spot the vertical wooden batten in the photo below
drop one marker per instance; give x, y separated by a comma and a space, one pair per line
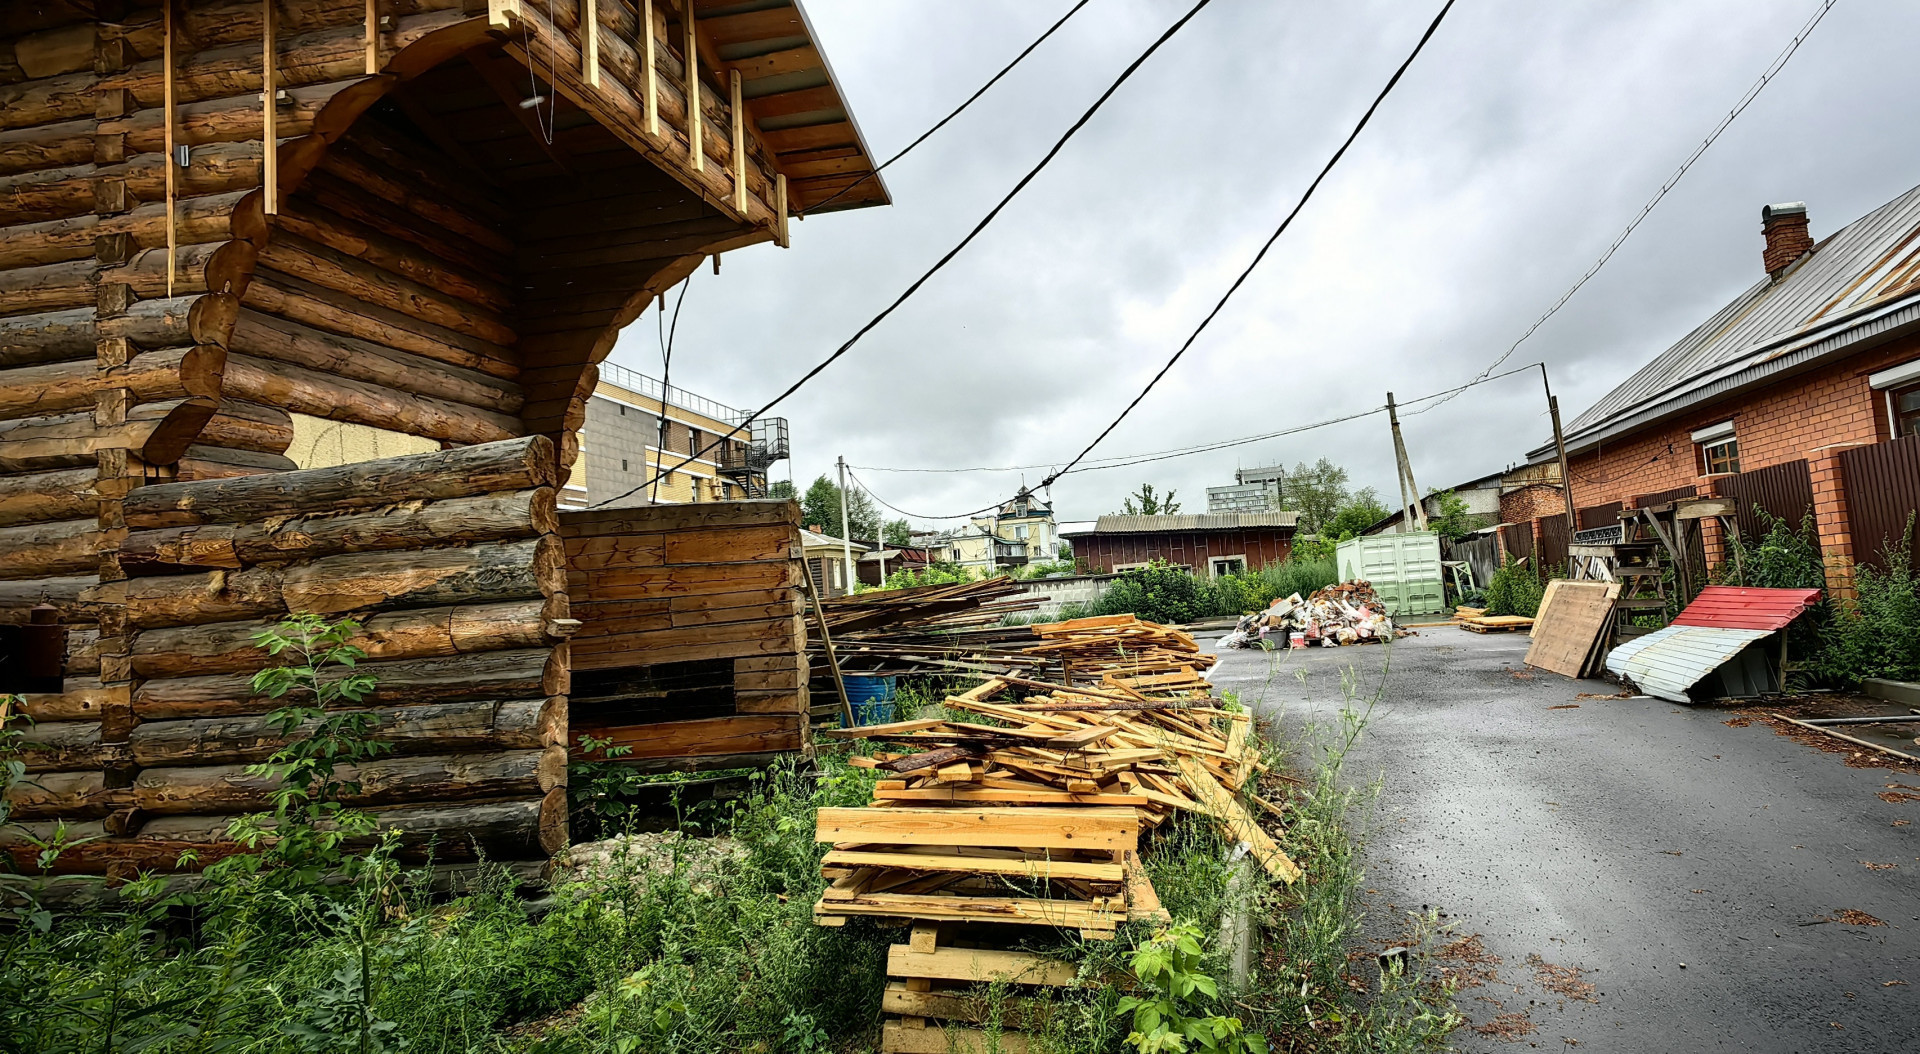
652, 85
739, 143
373, 37
780, 210
167, 138
690, 54
269, 112
589, 42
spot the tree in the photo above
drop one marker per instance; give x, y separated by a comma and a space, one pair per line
1454, 521
780, 488
1317, 494
1362, 510
821, 508
897, 533
1146, 503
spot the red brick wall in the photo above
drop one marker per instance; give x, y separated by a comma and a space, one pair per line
1785, 421
1260, 545
1528, 502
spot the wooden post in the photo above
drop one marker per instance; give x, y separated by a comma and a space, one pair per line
846, 529
1566, 476
1406, 507
373, 37
1416, 508
590, 42
691, 51
826, 641
739, 145
166, 120
780, 210
269, 113
651, 85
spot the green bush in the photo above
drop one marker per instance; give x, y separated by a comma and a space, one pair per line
1159, 592
1515, 590
937, 574
1880, 635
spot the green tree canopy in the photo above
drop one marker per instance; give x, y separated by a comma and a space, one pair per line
1144, 502
821, 508
1317, 493
1454, 521
780, 488
897, 532
1361, 511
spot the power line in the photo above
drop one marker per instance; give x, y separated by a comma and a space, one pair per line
942, 123
917, 515
951, 253
666, 373
1271, 239
1779, 63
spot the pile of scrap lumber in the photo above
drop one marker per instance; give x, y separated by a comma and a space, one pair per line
1092, 649
1036, 817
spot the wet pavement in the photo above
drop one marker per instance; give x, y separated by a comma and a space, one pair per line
1686, 861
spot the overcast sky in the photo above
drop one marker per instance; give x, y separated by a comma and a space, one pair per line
1520, 143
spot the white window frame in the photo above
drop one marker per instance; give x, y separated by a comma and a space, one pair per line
1213, 562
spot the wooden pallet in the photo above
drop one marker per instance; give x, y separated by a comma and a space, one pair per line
936, 1004
1497, 623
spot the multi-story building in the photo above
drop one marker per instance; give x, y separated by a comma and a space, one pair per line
623, 446
1253, 490
1019, 532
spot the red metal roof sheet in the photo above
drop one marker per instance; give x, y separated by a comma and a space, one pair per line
1735, 607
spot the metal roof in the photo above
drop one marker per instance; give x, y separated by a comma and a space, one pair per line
814, 540
1217, 521
1667, 662
1733, 607
1857, 284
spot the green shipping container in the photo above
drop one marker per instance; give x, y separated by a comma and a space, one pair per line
1403, 568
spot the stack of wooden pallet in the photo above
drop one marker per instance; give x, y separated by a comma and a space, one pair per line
1036, 817
934, 1006
1090, 648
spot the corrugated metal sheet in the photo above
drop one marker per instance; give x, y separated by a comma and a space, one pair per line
1883, 493
1785, 491
1403, 568
1736, 607
1667, 662
1862, 270
1222, 521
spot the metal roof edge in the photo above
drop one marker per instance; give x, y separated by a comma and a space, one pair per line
1883, 323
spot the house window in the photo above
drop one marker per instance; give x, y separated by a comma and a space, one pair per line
623, 464
1906, 411
1227, 565
693, 440
1720, 456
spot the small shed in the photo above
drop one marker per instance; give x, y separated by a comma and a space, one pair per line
826, 558
1211, 544
1719, 647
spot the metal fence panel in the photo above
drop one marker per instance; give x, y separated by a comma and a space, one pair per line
1784, 490
1664, 496
1607, 515
1883, 492
1517, 538
1555, 536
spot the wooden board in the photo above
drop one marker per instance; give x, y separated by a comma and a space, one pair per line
897, 1038
1040, 827
1564, 635
978, 965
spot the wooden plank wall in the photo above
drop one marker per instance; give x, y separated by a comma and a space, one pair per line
1260, 545
692, 645
451, 561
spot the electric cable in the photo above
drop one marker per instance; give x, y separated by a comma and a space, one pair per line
918, 515
941, 263
1271, 239
666, 375
942, 123
1779, 63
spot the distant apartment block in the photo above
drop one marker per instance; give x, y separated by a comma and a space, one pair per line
1253, 490
623, 446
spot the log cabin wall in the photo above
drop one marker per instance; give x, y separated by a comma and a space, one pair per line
452, 564
692, 649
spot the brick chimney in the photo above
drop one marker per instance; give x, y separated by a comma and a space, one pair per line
1785, 227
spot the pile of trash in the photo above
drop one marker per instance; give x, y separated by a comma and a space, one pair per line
1347, 613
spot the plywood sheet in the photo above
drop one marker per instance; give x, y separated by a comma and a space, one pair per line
1564, 634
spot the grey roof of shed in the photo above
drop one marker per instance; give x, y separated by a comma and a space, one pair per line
1218, 521
1859, 283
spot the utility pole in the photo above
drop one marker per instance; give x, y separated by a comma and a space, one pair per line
1415, 508
846, 531
1566, 477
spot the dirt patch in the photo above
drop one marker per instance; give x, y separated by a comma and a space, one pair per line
1467, 963
1563, 981
1509, 1027
1871, 866
1856, 756
1850, 917
1737, 722
1897, 797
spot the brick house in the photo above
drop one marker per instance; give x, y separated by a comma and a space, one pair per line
1804, 392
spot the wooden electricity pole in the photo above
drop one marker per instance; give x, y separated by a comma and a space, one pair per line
846, 532
1566, 477
1414, 511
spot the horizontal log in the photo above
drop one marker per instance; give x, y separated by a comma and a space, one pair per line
486, 571
514, 464
517, 674
51, 52
55, 746
383, 781
72, 333
186, 600
44, 550
291, 298
363, 282
197, 220
63, 795
740, 734
83, 700
40, 497
50, 287
376, 176
482, 726
418, 633
203, 462
19, 595
411, 525
341, 197
47, 99
519, 830
268, 337
32, 192
249, 426
335, 398
232, 119
220, 168
319, 226
759, 512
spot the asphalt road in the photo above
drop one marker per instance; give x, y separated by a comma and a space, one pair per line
1624, 838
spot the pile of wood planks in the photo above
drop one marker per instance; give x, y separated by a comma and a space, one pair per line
1036, 817
1091, 648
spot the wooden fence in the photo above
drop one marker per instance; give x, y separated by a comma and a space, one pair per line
1555, 538
1517, 540
692, 651
451, 562
1883, 492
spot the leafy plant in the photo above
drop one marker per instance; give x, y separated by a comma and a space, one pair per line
1158, 592
1177, 1016
1454, 522
931, 575
1515, 590
1144, 502
309, 822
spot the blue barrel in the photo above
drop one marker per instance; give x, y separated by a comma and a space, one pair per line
872, 697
